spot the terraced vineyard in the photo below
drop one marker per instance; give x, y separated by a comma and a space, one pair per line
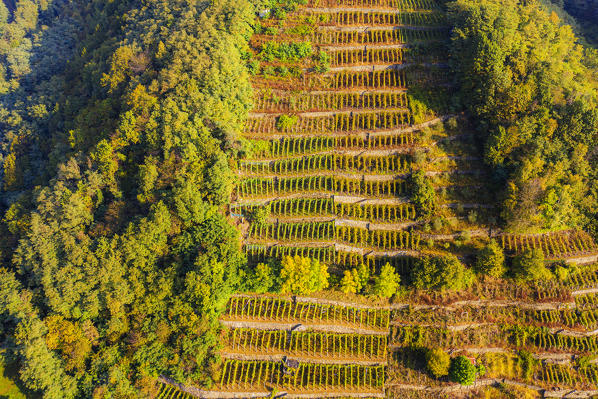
533, 339
334, 138
332, 150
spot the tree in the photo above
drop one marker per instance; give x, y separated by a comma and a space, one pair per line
529, 266
511, 58
302, 276
260, 216
387, 283
462, 371
262, 279
441, 272
285, 122
438, 362
423, 194
355, 280
491, 260
350, 282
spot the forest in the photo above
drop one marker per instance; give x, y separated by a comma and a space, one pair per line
179, 178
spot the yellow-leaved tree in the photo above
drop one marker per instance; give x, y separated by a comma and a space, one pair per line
300, 275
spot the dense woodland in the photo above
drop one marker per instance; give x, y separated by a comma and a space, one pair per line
119, 135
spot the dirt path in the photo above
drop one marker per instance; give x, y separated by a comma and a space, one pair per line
472, 233
585, 291
349, 199
363, 133
319, 114
354, 176
385, 66
364, 47
394, 150
230, 394
583, 260
377, 27
381, 10
455, 306
274, 325
455, 388
277, 356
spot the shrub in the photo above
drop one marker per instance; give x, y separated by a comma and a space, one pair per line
268, 70
491, 260
282, 71
462, 371
260, 215
387, 283
262, 280
423, 194
442, 272
302, 276
253, 67
350, 282
286, 122
438, 362
472, 217
322, 62
529, 266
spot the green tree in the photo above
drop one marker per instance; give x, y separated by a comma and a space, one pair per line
491, 260
350, 283
529, 266
423, 194
300, 275
462, 371
262, 280
442, 272
355, 280
438, 362
387, 283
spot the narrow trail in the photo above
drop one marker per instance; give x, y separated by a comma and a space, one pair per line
355, 176
240, 394
548, 357
385, 66
455, 388
371, 226
303, 325
338, 246
394, 150
370, 9
360, 133
275, 355
377, 27
371, 176
453, 306
319, 114
365, 46
466, 326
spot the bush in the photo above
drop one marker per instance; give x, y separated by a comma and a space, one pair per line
302, 276
285, 51
423, 194
262, 280
260, 215
462, 371
355, 280
529, 266
350, 283
491, 260
387, 283
285, 122
253, 67
322, 62
442, 272
438, 362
